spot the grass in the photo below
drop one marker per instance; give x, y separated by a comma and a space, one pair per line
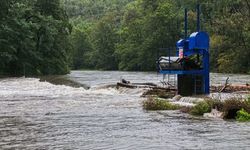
160, 93
155, 103
248, 100
243, 116
205, 107
231, 107
201, 108
215, 104
185, 109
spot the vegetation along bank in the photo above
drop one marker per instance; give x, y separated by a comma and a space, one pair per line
51, 37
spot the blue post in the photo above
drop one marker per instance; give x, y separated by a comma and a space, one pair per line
195, 44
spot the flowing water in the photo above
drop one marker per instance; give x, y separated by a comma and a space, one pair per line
40, 115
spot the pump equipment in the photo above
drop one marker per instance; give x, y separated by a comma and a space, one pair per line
191, 62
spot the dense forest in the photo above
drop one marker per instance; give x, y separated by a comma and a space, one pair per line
34, 37
40, 37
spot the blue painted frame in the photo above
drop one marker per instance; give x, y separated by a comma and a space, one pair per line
201, 48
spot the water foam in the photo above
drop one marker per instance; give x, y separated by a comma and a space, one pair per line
227, 96
33, 87
14, 88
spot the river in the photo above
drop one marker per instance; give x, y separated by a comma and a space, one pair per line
40, 115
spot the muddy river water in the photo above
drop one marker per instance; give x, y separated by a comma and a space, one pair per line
40, 115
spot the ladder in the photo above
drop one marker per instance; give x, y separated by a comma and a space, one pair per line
198, 84
171, 80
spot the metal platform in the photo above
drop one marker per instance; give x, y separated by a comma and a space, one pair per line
181, 72
190, 61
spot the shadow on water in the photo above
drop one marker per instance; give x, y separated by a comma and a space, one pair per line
63, 80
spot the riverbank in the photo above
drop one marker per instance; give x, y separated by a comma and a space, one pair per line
228, 101
216, 105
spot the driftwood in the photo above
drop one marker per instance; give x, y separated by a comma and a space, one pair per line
231, 88
162, 93
120, 84
153, 87
140, 85
153, 90
125, 81
225, 86
149, 84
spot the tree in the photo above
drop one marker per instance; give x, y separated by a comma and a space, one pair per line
33, 41
104, 40
82, 48
145, 30
52, 37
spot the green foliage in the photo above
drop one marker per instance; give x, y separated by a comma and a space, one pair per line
126, 34
236, 104
153, 103
82, 48
205, 107
144, 30
248, 100
242, 116
92, 10
200, 108
37, 38
104, 40
215, 104
231, 28
34, 38
230, 107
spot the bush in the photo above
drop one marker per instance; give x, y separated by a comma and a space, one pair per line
242, 116
231, 107
160, 93
215, 104
248, 100
159, 104
200, 108
203, 107
185, 109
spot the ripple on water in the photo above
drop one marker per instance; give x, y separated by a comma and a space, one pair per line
39, 115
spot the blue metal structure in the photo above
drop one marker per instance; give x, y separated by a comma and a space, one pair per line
197, 44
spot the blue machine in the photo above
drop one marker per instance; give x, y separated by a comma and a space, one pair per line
192, 62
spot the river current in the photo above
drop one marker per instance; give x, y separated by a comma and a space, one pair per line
40, 115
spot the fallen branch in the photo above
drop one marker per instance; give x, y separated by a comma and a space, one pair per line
119, 84
134, 86
162, 93
149, 84
225, 85
230, 88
